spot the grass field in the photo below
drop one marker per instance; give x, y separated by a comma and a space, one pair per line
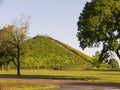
94, 76
22, 85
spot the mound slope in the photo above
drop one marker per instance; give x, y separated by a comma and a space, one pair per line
46, 52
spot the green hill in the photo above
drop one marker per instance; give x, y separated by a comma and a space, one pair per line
46, 52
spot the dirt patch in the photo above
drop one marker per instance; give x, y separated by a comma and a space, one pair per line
72, 83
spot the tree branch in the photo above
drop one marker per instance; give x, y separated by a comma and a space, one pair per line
13, 60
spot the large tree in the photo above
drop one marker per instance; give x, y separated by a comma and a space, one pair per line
99, 23
12, 39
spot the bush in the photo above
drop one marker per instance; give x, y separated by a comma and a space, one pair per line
113, 63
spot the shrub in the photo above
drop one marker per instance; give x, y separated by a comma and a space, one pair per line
113, 63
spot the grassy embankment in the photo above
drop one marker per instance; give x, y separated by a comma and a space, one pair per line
43, 52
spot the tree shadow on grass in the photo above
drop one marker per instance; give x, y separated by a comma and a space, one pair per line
86, 80
111, 70
55, 77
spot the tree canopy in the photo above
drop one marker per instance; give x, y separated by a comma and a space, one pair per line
12, 38
99, 23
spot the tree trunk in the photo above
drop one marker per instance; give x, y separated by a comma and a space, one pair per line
18, 61
0, 66
18, 68
118, 54
118, 57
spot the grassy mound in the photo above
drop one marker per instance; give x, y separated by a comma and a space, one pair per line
43, 52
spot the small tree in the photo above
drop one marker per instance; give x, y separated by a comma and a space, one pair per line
15, 36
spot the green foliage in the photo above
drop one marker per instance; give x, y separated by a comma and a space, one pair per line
5, 47
113, 63
96, 62
12, 38
45, 52
99, 23
96, 56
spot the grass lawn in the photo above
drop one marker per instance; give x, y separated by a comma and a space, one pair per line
22, 85
94, 76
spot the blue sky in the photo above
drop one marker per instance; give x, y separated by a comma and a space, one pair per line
55, 18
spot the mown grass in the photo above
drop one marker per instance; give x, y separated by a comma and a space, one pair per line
22, 85
94, 76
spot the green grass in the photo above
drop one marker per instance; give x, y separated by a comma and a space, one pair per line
46, 53
22, 85
74, 51
94, 76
